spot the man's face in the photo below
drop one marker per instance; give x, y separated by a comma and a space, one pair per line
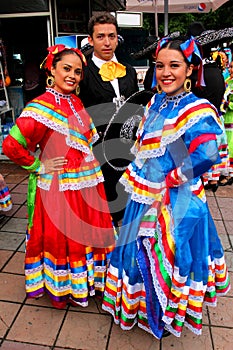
104, 41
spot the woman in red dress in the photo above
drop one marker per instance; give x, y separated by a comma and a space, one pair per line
70, 234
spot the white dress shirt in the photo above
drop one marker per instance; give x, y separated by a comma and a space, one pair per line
98, 62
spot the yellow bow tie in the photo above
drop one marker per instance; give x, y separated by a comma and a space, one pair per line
112, 70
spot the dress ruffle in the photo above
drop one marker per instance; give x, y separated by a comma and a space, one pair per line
169, 261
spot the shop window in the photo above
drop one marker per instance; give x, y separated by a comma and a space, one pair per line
72, 16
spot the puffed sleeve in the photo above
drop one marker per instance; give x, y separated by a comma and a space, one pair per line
22, 140
202, 152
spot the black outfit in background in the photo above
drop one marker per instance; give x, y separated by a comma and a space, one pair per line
215, 85
149, 77
97, 96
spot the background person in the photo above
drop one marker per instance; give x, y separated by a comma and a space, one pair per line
227, 109
213, 91
169, 260
70, 231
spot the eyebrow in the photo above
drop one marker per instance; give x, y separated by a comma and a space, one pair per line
70, 66
173, 61
101, 33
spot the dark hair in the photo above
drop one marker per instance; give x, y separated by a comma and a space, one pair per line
174, 44
59, 55
195, 29
102, 18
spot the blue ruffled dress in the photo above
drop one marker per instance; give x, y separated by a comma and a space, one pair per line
169, 260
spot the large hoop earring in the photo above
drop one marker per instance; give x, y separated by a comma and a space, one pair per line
159, 89
50, 81
187, 85
77, 90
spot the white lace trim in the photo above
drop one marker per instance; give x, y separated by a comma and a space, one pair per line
71, 186
212, 304
144, 199
80, 303
95, 138
34, 270
79, 275
89, 158
99, 284
78, 146
43, 185
108, 309
79, 186
45, 121
90, 279
166, 140
9, 207
139, 198
197, 315
68, 288
56, 272
161, 296
193, 329
100, 269
139, 162
58, 128
35, 286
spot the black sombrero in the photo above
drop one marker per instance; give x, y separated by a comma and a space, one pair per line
215, 37
207, 37
150, 46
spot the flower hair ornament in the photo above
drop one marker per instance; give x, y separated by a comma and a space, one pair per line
53, 50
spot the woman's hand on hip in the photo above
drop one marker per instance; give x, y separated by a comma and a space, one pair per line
53, 164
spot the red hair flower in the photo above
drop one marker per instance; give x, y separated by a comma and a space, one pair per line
53, 50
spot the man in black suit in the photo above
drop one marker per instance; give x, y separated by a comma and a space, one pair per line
106, 85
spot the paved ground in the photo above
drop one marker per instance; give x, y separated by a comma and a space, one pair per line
35, 325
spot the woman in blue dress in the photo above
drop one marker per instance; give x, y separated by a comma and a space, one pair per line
169, 260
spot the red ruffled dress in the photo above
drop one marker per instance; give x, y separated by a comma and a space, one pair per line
70, 232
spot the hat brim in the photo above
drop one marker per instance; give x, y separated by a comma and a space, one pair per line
215, 37
87, 49
147, 51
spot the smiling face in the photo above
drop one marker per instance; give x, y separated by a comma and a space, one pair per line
104, 40
171, 71
67, 73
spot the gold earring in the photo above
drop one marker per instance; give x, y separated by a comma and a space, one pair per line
50, 81
77, 90
159, 89
187, 85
